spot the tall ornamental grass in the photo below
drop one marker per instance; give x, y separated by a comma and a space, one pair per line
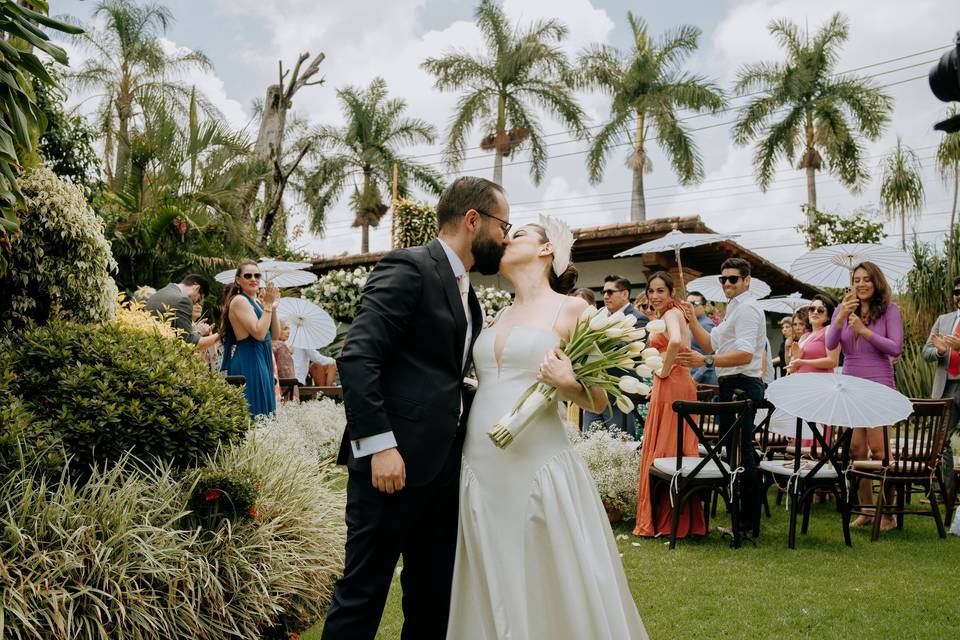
119, 556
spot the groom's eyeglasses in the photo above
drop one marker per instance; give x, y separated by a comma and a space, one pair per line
730, 279
506, 226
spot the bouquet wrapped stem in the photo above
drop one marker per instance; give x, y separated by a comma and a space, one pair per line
600, 342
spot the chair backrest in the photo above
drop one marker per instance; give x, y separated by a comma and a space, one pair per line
915, 445
237, 381
709, 413
707, 392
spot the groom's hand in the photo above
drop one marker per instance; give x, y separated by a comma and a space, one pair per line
388, 471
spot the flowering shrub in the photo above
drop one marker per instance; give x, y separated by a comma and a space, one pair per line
221, 494
310, 429
338, 292
492, 300
613, 460
60, 261
416, 223
132, 315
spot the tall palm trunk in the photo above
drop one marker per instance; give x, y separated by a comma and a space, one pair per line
809, 158
811, 193
365, 238
951, 250
903, 230
501, 129
638, 202
121, 170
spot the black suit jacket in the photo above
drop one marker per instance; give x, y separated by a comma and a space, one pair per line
170, 298
402, 362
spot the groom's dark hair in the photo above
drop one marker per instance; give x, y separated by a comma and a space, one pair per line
463, 194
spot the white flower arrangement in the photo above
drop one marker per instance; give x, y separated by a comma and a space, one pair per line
492, 300
310, 429
338, 292
613, 460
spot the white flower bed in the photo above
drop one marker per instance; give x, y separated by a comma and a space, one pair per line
492, 300
311, 429
613, 460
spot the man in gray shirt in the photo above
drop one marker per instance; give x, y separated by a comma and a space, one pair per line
180, 299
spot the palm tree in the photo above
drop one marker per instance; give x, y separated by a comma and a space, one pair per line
648, 87
901, 188
366, 148
518, 70
948, 164
128, 64
803, 105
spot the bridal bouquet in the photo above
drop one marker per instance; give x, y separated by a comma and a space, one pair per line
599, 342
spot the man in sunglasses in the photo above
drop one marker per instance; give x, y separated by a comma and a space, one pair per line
616, 297
943, 347
736, 348
180, 298
702, 375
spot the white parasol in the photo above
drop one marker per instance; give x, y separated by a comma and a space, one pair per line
310, 326
283, 274
787, 305
712, 290
839, 400
675, 241
831, 266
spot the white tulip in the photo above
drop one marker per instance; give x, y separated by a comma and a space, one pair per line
629, 384
643, 389
599, 322
656, 326
649, 352
641, 331
628, 322
614, 332
644, 371
636, 349
626, 363
625, 404
588, 313
634, 335
654, 363
616, 317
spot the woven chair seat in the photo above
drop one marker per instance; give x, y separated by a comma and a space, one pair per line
785, 468
668, 466
896, 467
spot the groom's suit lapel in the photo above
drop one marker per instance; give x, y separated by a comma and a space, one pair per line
476, 311
452, 294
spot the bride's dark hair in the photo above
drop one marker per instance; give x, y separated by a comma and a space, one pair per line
566, 281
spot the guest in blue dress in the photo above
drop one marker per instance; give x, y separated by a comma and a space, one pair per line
247, 324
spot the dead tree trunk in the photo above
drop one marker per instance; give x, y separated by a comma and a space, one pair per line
268, 149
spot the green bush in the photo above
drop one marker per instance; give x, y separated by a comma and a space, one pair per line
105, 389
60, 261
117, 556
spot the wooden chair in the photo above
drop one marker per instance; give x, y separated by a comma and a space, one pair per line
912, 451
686, 477
289, 389
313, 391
820, 468
237, 381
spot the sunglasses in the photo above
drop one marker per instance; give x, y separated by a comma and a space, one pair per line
251, 276
610, 292
730, 279
506, 226
696, 303
646, 307
818, 309
956, 292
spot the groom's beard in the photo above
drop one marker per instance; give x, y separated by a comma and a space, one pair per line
486, 255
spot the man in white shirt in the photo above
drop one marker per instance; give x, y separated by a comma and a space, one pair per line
736, 348
303, 358
943, 347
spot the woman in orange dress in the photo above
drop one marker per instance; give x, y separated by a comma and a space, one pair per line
654, 512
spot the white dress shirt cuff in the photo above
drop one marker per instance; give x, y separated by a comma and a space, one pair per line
363, 447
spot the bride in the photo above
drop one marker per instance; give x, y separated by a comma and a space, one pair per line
536, 556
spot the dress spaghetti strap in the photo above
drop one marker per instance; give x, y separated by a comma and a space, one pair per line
556, 316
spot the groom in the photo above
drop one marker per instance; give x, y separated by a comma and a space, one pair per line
402, 369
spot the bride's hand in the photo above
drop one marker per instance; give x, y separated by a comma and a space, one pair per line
557, 371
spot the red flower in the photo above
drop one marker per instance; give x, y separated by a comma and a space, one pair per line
252, 512
257, 485
211, 494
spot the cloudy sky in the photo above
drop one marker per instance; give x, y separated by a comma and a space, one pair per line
894, 41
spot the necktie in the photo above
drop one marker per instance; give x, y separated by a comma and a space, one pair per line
953, 369
463, 283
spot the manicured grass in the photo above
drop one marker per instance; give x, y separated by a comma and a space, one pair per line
906, 585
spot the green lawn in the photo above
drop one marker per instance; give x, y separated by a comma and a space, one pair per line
906, 585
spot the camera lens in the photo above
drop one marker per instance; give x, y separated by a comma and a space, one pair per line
945, 76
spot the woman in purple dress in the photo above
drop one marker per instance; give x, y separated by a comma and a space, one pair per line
869, 330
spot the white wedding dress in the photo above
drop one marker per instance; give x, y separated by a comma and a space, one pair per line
536, 558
